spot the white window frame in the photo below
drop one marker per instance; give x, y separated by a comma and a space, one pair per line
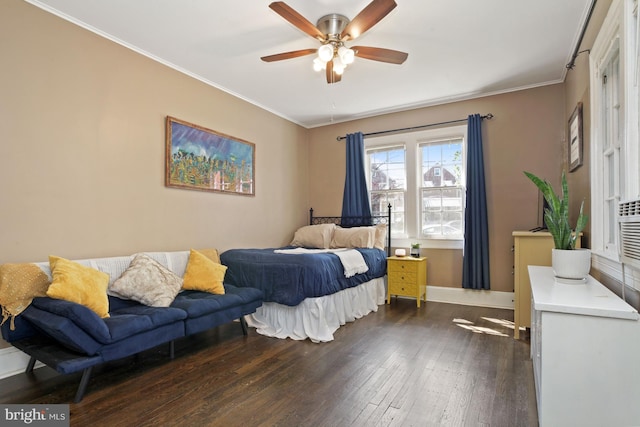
619, 35
411, 142
395, 231
460, 186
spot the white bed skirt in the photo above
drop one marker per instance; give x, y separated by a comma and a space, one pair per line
318, 318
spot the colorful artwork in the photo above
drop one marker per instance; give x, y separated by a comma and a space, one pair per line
201, 159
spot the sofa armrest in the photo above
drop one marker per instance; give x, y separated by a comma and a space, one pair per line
83, 317
63, 330
23, 329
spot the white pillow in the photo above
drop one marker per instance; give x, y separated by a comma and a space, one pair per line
355, 237
314, 236
148, 282
381, 236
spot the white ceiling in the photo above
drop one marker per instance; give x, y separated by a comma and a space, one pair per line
458, 49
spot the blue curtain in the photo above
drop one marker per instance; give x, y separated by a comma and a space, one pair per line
475, 264
355, 201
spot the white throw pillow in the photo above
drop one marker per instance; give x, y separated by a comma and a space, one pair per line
314, 236
355, 237
148, 282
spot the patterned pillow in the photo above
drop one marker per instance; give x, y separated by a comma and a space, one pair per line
19, 284
148, 282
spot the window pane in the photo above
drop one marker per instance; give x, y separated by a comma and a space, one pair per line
611, 214
442, 212
441, 163
386, 170
452, 199
380, 201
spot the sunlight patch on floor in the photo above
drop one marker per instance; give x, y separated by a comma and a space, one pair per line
506, 323
466, 324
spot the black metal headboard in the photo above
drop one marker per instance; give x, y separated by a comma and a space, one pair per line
356, 221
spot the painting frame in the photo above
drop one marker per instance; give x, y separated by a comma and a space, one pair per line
575, 143
198, 158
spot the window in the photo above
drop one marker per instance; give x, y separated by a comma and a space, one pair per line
387, 183
610, 147
441, 188
421, 174
614, 124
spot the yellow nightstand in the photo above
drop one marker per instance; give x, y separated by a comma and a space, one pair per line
407, 276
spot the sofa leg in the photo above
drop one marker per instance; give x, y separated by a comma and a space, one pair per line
243, 324
172, 349
30, 365
84, 381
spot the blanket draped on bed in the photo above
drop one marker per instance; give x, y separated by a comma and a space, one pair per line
288, 279
352, 261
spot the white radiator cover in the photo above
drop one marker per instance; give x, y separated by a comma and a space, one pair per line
629, 221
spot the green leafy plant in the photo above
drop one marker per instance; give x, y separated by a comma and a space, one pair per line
415, 245
556, 216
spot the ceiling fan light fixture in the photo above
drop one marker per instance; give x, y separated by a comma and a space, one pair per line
346, 55
325, 52
319, 65
332, 31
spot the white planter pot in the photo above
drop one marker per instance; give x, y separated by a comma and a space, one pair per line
572, 264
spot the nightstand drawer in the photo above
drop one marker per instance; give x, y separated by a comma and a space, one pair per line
402, 277
403, 266
403, 287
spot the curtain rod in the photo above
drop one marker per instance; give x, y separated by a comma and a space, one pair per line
576, 51
488, 117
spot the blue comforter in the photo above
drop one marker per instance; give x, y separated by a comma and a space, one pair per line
288, 279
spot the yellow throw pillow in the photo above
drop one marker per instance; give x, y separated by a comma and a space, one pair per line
76, 283
202, 274
212, 254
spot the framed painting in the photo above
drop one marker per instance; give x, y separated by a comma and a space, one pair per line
575, 139
198, 158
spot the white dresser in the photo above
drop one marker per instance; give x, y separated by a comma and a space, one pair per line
585, 346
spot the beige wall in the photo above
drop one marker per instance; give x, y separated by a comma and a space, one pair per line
82, 163
527, 133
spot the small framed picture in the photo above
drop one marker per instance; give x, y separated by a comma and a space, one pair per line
575, 139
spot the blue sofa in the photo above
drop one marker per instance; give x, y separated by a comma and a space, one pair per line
70, 337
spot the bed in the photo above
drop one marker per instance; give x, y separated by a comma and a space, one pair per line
320, 281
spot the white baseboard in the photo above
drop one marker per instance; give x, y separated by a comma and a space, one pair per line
494, 299
13, 361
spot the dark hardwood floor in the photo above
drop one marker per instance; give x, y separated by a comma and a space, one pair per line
442, 364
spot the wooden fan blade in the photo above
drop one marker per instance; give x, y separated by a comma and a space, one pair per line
299, 21
332, 76
380, 54
367, 18
288, 55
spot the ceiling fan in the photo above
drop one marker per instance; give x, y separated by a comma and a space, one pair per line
332, 31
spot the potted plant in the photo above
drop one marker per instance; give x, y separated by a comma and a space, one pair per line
415, 250
566, 261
